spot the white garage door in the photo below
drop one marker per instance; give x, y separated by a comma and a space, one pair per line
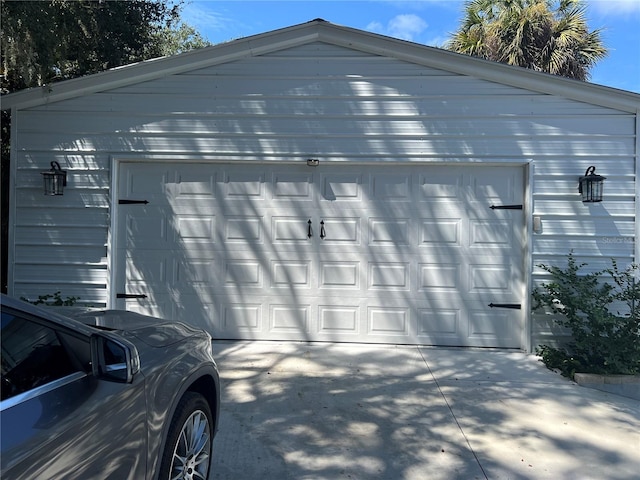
379, 254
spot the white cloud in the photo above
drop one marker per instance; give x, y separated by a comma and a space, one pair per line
614, 7
405, 26
204, 17
375, 27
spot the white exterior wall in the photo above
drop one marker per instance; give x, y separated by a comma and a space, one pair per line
314, 101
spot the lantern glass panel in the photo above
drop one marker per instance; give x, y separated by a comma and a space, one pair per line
592, 189
53, 183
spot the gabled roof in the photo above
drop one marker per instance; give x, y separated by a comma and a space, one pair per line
321, 31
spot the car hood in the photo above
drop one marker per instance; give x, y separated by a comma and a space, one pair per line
153, 331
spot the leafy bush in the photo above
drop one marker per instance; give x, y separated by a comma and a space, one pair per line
604, 340
53, 300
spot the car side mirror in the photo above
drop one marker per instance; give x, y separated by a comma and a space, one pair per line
113, 358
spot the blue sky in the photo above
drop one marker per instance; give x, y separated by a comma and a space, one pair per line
427, 22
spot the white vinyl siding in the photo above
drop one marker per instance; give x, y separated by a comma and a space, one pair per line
314, 101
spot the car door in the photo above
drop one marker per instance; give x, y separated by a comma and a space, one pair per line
57, 419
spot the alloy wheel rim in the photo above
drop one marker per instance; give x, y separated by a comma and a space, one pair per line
191, 455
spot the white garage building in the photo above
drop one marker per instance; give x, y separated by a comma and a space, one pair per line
321, 183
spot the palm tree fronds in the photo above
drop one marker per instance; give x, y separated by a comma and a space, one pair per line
531, 34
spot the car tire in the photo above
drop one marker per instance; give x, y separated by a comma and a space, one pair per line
187, 452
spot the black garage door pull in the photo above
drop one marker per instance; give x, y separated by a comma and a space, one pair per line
506, 207
130, 295
514, 306
132, 202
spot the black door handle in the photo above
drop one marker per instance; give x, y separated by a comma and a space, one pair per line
322, 232
309, 231
513, 306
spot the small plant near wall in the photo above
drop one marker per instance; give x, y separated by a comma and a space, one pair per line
601, 312
53, 300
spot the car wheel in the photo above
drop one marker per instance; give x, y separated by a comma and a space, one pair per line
187, 454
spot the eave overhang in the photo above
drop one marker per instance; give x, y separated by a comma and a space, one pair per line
322, 31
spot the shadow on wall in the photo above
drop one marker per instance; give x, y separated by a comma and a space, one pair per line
313, 100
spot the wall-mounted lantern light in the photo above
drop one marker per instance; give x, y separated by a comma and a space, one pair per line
313, 162
591, 186
54, 180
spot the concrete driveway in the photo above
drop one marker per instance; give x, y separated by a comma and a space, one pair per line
349, 411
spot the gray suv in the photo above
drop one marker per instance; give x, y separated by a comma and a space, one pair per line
105, 394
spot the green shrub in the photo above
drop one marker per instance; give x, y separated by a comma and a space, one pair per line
53, 300
603, 339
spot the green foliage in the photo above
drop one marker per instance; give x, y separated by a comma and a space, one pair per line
544, 35
53, 300
179, 39
604, 339
56, 40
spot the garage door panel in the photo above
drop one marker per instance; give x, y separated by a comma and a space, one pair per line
391, 187
158, 228
437, 277
288, 274
292, 229
440, 231
162, 272
149, 268
245, 230
342, 188
484, 186
196, 228
289, 319
243, 274
402, 254
490, 278
189, 271
491, 233
244, 184
389, 232
389, 276
187, 306
389, 321
337, 320
192, 307
243, 318
441, 324
340, 230
195, 182
292, 187
140, 181
148, 228
440, 183
493, 328
339, 274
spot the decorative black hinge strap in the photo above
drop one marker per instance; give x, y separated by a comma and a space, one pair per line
130, 295
132, 202
514, 306
506, 207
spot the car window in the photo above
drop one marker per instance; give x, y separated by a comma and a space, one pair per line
32, 355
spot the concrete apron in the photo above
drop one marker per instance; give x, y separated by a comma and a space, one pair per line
350, 411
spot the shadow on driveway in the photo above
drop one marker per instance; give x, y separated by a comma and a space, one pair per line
350, 411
